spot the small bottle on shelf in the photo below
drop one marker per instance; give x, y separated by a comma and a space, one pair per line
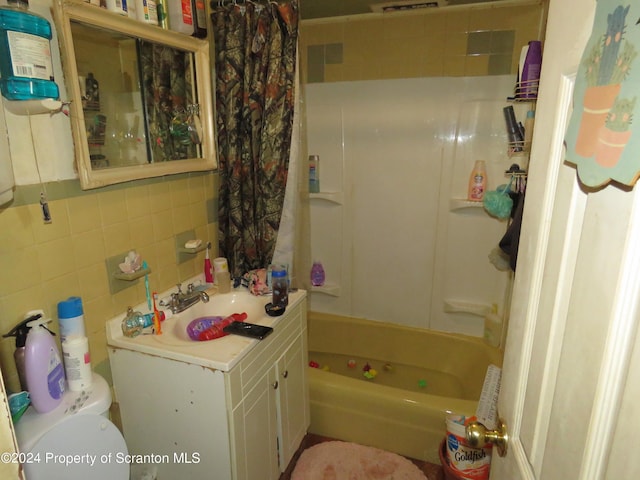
528, 128
477, 182
314, 174
317, 274
279, 287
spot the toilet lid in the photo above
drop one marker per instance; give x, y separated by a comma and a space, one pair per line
82, 447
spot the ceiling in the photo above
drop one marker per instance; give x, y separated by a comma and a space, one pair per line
335, 8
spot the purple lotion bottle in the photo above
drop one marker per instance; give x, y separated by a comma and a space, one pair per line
317, 274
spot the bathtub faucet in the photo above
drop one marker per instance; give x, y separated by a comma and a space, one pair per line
181, 301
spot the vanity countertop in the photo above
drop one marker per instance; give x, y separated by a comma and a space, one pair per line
221, 354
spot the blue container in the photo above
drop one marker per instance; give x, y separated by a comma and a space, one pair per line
26, 69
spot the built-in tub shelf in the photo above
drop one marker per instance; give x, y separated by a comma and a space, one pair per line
331, 289
333, 197
472, 308
463, 203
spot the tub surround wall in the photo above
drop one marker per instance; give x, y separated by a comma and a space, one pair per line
398, 155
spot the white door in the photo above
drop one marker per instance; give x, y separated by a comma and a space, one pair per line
570, 381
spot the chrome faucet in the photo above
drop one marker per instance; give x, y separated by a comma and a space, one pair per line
181, 301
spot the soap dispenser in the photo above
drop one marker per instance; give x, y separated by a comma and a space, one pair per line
20, 331
43, 366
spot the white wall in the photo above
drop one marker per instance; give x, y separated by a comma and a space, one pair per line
44, 137
400, 150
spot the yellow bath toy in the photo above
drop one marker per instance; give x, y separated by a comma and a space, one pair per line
326, 368
370, 374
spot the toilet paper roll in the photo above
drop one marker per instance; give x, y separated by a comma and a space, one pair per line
220, 265
77, 363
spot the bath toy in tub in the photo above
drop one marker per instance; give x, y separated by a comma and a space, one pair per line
313, 364
351, 363
326, 368
370, 374
422, 383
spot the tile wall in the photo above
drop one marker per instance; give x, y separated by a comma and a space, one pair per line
429, 43
45, 263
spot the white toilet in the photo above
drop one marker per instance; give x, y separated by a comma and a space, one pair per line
76, 440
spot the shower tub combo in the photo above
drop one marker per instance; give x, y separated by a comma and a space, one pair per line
413, 378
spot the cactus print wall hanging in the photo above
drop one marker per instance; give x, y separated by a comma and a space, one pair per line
600, 139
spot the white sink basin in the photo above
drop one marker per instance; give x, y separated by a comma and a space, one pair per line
174, 329
174, 343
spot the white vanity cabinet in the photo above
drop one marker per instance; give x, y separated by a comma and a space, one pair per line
270, 405
242, 424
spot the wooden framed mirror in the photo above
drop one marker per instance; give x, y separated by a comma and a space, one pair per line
141, 96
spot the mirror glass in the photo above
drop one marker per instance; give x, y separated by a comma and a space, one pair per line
141, 97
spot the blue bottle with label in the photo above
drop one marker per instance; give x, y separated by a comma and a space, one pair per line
26, 69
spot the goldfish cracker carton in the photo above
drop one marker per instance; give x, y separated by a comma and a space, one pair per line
467, 462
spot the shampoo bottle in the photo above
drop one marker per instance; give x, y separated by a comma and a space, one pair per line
188, 17
146, 11
117, 6
477, 182
317, 274
314, 174
530, 77
43, 367
528, 128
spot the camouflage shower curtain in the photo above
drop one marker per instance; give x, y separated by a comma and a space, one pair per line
255, 60
167, 90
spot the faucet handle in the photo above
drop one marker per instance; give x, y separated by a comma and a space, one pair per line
190, 288
179, 290
174, 300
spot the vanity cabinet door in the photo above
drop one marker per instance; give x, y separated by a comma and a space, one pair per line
270, 420
255, 428
293, 404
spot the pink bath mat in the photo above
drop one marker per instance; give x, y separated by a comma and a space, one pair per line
349, 461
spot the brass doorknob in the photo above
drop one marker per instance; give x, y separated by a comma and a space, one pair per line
478, 436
